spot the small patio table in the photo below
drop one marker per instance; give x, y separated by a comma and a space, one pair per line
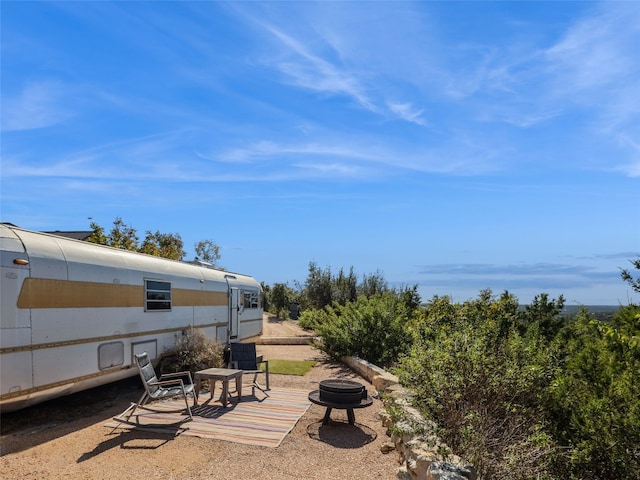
215, 374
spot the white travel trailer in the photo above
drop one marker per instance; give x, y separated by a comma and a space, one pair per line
74, 313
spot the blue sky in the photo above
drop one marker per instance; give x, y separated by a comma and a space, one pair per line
454, 145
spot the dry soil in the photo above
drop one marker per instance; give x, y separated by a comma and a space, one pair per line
66, 438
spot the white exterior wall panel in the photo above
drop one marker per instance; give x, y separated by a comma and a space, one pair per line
58, 345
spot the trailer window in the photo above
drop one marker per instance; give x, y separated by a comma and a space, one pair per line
251, 299
158, 295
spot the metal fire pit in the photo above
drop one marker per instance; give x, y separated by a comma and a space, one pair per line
342, 394
341, 391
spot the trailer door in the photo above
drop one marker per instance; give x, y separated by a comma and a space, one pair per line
234, 310
16, 373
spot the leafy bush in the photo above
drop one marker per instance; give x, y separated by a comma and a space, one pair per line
311, 319
371, 328
521, 393
596, 397
483, 382
194, 351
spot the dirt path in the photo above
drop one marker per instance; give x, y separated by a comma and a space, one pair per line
276, 327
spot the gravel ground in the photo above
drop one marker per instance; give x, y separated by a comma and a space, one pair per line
66, 438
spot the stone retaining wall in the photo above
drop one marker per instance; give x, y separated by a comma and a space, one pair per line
422, 455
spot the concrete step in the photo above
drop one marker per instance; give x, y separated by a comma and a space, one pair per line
297, 340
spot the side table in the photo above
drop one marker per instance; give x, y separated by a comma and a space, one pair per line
215, 374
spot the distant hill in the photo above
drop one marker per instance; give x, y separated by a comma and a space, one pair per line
573, 309
601, 312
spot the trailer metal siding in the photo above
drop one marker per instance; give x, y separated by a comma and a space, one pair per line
74, 313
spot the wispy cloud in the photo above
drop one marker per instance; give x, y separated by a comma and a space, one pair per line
595, 66
532, 277
310, 71
598, 50
513, 269
136, 158
333, 170
408, 112
612, 256
367, 155
266, 149
326, 58
589, 70
39, 104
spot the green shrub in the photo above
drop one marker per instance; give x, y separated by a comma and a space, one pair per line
484, 384
311, 319
194, 351
596, 397
374, 328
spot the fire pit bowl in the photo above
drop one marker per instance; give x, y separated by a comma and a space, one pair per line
340, 394
339, 391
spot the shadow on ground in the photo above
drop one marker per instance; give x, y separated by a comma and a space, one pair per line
341, 434
60, 416
130, 439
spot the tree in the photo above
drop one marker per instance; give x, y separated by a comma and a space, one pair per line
98, 236
208, 251
280, 299
318, 288
373, 284
266, 296
165, 245
627, 277
344, 287
545, 314
123, 236
410, 297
